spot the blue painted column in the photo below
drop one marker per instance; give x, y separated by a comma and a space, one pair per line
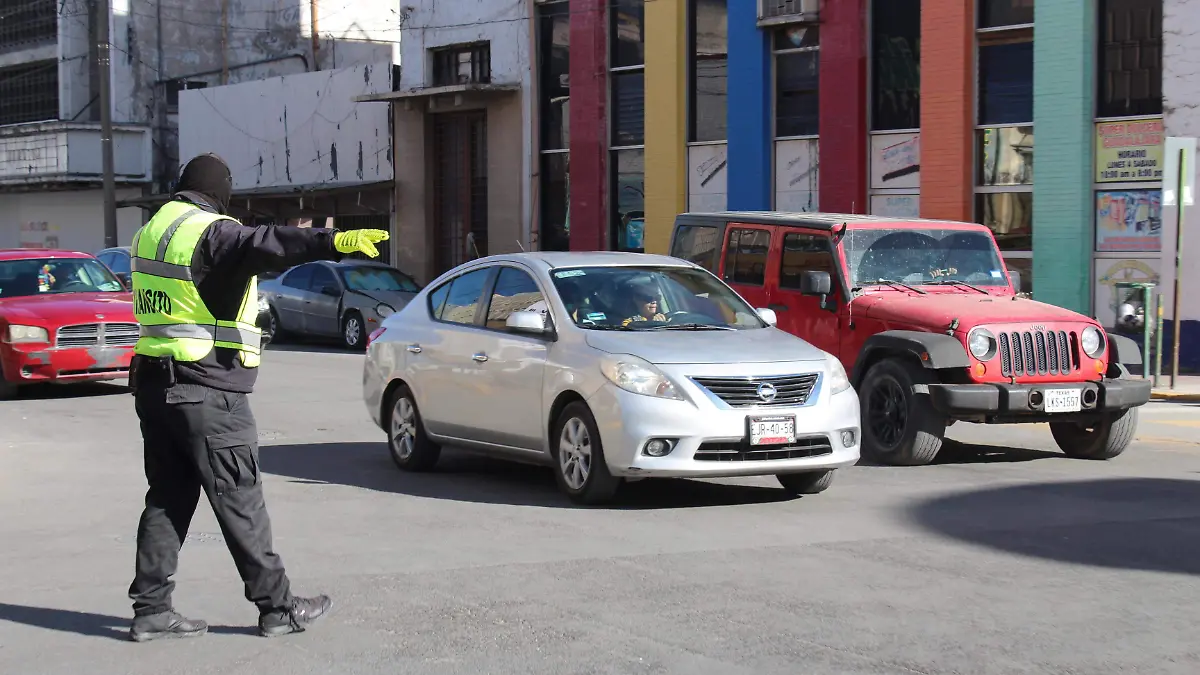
750, 173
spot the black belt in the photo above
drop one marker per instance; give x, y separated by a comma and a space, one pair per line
151, 371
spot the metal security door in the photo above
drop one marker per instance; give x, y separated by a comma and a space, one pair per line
459, 188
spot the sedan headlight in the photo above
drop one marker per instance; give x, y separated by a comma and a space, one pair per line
1092, 342
384, 310
17, 334
638, 376
982, 343
838, 382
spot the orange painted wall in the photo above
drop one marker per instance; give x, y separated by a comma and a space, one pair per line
947, 108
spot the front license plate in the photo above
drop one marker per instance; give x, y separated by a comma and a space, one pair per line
772, 430
1063, 400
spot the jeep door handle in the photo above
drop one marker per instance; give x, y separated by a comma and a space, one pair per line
414, 349
480, 357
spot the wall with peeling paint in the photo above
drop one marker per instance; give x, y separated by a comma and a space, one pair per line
294, 130
505, 24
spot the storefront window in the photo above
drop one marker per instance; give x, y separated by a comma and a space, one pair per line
1010, 217
554, 68
896, 65
629, 199
1004, 156
1006, 82
1129, 67
999, 13
628, 33
709, 68
797, 65
556, 202
629, 108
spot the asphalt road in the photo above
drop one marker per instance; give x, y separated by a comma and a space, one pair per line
1004, 557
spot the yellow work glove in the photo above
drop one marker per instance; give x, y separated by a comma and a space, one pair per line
359, 241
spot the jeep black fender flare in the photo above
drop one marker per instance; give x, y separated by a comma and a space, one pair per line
1123, 350
932, 350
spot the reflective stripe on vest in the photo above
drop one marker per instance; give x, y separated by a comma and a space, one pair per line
173, 319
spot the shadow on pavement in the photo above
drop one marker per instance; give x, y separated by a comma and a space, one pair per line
1146, 524
87, 624
466, 477
307, 348
957, 452
46, 392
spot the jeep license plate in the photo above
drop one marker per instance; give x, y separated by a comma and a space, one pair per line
1063, 400
772, 430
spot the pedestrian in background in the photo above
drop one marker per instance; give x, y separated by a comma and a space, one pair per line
196, 301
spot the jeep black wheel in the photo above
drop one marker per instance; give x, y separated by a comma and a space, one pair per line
899, 427
1100, 440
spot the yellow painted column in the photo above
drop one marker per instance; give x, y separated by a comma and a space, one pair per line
666, 120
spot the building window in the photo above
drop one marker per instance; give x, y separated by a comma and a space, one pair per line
1004, 135
28, 23
797, 64
627, 160
29, 92
1004, 13
554, 66
708, 70
1130, 60
896, 65
462, 64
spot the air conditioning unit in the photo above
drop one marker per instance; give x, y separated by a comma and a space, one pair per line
788, 11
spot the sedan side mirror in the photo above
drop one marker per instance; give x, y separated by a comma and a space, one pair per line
533, 323
816, 283
768, 315
332, 291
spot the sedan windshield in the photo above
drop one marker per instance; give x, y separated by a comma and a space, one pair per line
651, 298
378, 279
922, 257
48, 276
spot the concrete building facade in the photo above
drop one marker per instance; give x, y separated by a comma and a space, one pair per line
50, 158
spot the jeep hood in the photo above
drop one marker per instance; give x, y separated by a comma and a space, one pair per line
936, 310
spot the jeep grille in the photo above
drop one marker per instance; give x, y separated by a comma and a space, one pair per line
1053, 352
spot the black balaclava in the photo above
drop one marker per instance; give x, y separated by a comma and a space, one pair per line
209, 176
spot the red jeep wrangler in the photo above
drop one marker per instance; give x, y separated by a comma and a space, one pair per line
929, 323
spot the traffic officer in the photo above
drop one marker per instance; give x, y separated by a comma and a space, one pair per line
195, 297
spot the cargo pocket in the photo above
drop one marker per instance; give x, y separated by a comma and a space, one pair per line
233, 457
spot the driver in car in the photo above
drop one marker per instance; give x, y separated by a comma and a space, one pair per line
647, 305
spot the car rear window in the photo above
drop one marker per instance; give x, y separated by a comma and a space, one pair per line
697, 244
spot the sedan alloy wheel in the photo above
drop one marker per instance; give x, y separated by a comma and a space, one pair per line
408, 445
575, 453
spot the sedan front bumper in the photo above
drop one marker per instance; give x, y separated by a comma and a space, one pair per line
713, 443
1026, 402
31, 364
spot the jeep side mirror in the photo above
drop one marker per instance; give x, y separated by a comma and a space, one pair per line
816, 283
1016, 279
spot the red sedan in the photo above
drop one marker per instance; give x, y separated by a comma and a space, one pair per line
64, 317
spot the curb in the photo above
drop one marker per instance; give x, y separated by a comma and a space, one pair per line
1175, 396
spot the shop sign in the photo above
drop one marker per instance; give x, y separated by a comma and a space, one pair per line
1129, 151
1128, 220
895, 161
896, 206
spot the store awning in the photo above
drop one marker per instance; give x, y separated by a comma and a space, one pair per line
297, 201
449, 90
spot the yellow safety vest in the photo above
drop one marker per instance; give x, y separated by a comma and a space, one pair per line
172, 318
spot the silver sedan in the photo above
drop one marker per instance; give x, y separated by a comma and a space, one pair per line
345, 300
609, 367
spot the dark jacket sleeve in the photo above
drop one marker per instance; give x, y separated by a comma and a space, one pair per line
230, 249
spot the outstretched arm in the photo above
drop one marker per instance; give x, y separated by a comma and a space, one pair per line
232, 249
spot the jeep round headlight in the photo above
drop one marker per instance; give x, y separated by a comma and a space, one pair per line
1092, 342
982, 343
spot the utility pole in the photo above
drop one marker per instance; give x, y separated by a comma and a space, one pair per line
106, 132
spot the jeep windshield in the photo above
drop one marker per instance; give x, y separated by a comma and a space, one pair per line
901, 257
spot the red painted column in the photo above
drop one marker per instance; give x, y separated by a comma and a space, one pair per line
843, 107
589, 125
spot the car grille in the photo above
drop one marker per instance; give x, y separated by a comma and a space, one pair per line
1052, 352
97, 334
734, 451
742, 392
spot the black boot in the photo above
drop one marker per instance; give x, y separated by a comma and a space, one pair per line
294, 618
170, 624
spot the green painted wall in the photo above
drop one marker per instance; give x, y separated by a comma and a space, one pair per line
1064, 56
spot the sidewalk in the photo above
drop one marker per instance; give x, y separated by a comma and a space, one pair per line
1187, 389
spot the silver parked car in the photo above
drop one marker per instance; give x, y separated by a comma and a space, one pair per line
346, 299
609, 367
